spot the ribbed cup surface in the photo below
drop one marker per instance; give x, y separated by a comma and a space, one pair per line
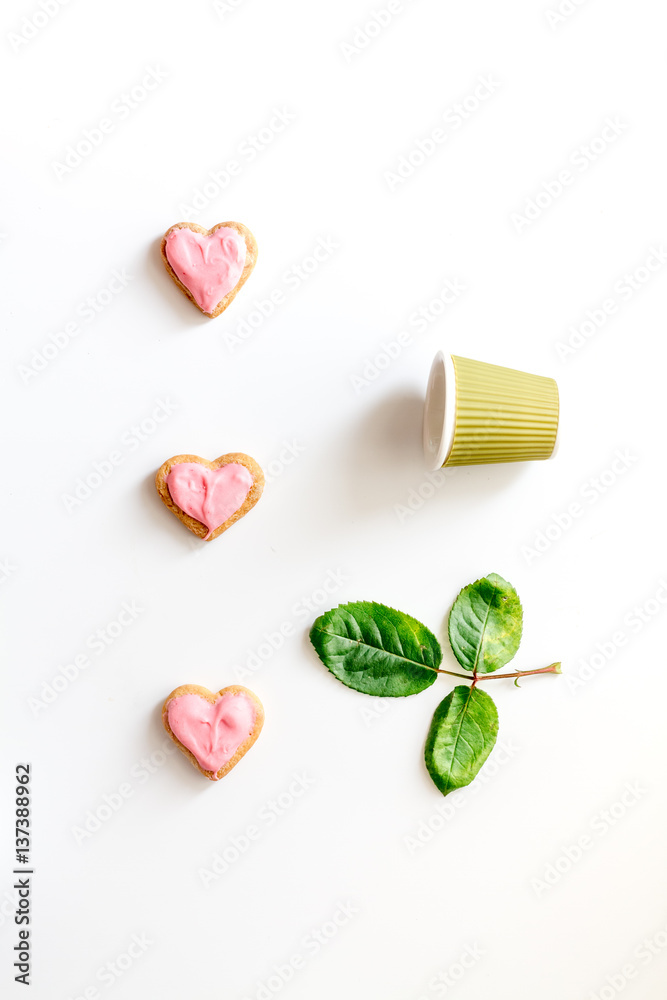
502, 415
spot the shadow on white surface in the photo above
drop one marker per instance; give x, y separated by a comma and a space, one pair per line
182, 773
162, 517
169, 292
382, 460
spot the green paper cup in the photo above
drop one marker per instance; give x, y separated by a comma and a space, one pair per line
478, 414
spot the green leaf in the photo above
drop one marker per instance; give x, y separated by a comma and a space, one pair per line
485, 624
462, 735
376, 650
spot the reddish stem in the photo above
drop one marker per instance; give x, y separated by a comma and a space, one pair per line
553, 668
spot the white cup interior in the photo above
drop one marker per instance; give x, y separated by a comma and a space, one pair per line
439, 412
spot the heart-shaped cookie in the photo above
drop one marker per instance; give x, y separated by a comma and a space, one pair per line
213, 730
209, 265
208, 497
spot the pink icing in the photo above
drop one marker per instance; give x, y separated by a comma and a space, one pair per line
212, 732
209, 495
208, 265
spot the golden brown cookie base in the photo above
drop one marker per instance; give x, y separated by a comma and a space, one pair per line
236, 457
250, 261
211, 697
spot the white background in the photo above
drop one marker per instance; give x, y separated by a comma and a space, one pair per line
342, 506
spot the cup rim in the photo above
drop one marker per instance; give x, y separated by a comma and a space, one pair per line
439, 412
439, 423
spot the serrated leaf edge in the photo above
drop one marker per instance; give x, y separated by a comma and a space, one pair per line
489, 577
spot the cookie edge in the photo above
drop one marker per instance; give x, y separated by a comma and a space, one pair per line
211, 697
232, 457
250, 261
